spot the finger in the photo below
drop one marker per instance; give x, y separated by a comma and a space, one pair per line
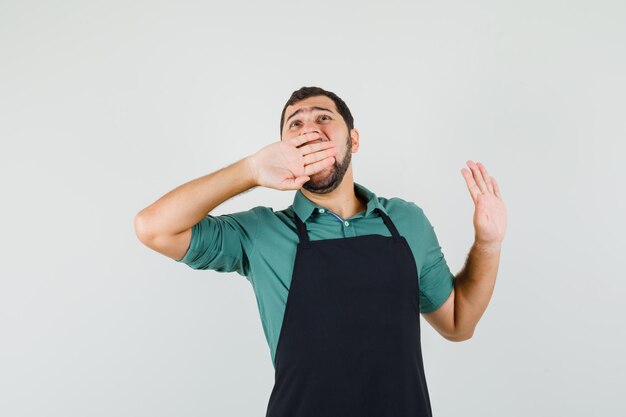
316, 167
317, 146
496, 188
486, 176
320, 155
478, 177
300, 140
471, 184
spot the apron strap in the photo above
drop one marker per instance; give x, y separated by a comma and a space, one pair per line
389, 223
302, 233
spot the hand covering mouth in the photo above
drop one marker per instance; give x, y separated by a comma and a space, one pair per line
312, 141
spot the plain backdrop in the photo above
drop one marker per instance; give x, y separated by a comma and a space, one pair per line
107, 105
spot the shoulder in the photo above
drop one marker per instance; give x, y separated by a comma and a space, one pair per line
408, 216
243, 222
400, 207
268, 220
263, 216
253, 214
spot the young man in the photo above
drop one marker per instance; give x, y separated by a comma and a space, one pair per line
340, 276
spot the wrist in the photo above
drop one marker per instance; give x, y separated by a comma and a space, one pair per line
491, 247
251, 170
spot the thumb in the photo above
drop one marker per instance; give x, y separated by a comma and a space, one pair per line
299, 182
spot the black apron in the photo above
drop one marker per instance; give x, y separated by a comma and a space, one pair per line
349, 345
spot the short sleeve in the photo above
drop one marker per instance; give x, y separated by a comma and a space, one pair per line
223, 243
435, 278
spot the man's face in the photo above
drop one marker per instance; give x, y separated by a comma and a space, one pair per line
319, 114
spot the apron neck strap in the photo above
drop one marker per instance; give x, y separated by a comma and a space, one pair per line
302, 233
389, 224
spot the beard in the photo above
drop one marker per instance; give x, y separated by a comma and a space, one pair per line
324, 182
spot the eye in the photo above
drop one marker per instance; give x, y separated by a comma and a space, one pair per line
323, 115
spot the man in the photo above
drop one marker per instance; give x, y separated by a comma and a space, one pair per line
341, 276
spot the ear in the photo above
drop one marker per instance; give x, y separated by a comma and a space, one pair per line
354, 135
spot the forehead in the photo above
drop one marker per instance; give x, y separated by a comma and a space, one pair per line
317, 101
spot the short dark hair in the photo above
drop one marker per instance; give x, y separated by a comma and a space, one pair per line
306, 92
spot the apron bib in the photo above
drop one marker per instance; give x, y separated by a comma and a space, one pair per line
349, 345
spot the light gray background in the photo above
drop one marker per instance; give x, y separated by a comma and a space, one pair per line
106, 106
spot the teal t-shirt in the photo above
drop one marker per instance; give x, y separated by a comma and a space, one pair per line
260, 244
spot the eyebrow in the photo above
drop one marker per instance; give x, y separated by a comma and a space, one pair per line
308, 108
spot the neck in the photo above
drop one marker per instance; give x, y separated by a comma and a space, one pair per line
342, 200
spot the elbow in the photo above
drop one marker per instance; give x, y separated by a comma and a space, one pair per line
142, 228
460, 337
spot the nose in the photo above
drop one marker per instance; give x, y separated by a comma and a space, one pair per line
310, 125
308, 129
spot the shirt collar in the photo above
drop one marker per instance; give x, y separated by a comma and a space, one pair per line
304, 207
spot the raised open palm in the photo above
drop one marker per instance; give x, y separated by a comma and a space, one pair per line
490, 215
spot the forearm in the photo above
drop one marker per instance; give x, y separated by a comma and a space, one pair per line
186, 205
474, 286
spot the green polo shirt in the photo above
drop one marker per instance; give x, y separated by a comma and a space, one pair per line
260, 244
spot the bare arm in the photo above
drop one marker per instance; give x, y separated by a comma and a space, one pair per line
165, 226
457, 318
